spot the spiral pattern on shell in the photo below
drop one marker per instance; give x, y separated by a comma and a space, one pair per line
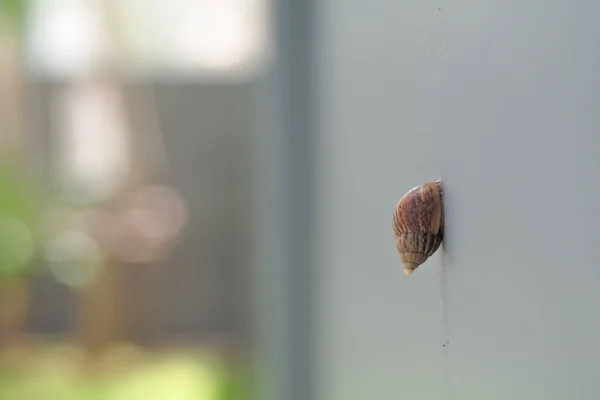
418, 223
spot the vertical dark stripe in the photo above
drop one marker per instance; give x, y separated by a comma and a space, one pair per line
286, 208
296, 61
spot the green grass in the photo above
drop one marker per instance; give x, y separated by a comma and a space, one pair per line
61, 374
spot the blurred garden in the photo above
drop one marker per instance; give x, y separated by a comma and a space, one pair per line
121, 245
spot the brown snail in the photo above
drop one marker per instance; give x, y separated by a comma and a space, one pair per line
418, 224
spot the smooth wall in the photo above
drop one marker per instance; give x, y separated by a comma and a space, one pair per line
500, 99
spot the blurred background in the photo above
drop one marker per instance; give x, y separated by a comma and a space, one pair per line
126, 197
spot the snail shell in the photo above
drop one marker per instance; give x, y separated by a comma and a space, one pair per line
418, 224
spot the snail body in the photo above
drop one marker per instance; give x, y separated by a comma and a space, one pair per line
418, 223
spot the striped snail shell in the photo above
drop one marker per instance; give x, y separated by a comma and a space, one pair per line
418, 224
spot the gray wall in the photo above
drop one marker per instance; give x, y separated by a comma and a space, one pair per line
500, 99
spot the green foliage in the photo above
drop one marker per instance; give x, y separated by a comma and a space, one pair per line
14, 11
58, 375
237, 385
17, 221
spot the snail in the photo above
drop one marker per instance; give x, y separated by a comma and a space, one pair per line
418, 223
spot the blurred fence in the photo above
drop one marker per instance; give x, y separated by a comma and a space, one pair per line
202, 291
